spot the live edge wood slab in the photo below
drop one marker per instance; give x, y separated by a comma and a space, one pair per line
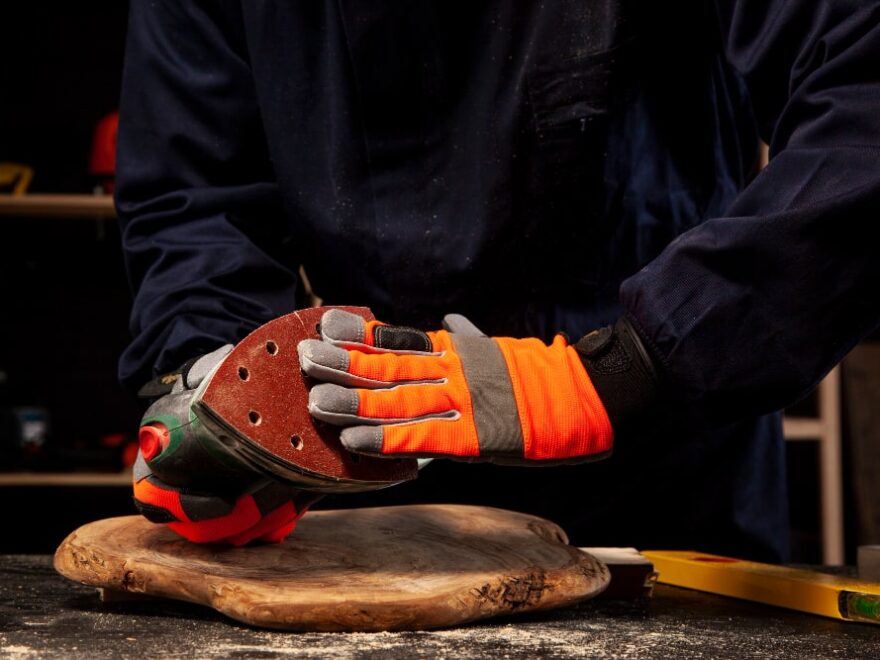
392, 568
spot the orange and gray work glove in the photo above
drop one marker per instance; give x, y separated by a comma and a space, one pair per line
183, 478
456, 393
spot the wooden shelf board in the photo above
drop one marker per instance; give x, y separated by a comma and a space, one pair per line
65, 478
802, 428
58, 206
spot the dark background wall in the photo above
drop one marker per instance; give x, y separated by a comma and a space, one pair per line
60, 66
64, 300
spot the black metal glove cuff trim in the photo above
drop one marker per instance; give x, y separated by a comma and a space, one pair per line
622, 371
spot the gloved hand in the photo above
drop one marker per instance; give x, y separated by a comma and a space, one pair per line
462, 395
181, 477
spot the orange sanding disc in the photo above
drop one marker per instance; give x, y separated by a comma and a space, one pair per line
257, 404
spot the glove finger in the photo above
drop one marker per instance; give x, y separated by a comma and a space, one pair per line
343, 328
461, 326
199, 517
333, 364
282, 506
276, 524
406, 403
433, 438
349, 330
278, 534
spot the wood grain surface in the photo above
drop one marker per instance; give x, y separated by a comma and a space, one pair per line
391, 568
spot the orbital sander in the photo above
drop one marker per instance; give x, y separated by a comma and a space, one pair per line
251, 413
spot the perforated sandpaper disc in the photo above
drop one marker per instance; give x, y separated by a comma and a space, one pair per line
257, 404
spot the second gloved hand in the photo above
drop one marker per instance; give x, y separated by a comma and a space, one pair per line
258, 509
403, 392
183, 479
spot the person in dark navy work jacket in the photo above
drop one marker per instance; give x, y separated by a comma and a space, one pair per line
541, 168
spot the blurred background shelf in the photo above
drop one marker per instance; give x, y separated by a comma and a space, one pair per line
58, 206
40, 479
826, 429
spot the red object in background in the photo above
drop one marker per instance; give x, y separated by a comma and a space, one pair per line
103, 162
113, 440
129, 454
122, 442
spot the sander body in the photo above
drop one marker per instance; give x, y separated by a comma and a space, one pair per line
251, 414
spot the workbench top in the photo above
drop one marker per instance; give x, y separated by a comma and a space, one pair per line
42, 613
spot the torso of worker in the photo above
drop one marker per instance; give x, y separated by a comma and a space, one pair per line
512, 161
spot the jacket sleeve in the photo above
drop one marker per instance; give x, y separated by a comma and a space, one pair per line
750, 310
196, 195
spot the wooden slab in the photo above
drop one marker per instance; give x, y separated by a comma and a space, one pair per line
391, 568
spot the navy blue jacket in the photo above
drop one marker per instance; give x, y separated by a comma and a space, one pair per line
539, 167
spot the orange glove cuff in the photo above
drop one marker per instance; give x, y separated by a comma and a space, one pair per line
559, 410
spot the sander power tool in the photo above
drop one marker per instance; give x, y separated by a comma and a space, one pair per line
250, 413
